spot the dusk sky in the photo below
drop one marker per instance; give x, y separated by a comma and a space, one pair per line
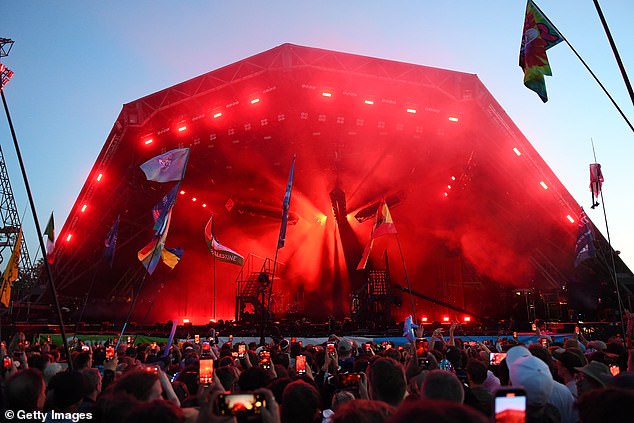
77, 62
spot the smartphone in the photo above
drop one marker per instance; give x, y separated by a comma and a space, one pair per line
472, 343
242, 348
577, 330
265, 359
348, 380
388, 346
206, 372
206, 349
300, 364
197, 339
423, 362
7, 362
510, 405
293, 340
615, 370
330, 347
368, 346
129, 339
237, 404
495, 358
85, 348
514, 334
545, 342
109, 353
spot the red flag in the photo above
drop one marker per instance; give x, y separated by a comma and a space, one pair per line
383, 225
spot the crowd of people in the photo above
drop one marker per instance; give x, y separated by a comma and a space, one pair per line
432, 378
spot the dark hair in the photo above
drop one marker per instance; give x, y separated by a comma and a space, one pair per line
114, 407
442, 385
157, 411
436, 411
387, 381
606, 405
476, 370
39, 361
300, 403
137, 383
68, 388
363, 411
253, 378
23, 390
277, 386
81, 360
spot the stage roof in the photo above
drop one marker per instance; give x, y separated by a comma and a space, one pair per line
476, 207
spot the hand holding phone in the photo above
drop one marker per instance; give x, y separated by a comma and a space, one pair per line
206, 372
242, 349
240, 404
300, 364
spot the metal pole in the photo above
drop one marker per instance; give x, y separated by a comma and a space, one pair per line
47, 266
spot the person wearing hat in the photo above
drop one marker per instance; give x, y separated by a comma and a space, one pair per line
559, 396
594, 375
566, 360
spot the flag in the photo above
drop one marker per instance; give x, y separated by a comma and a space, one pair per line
383, 225
166, 167
285, 206
539, 35
153, 251
585, 240
218, 250
111, 242
11, 272
160, 210
171, 256
596, 182
50, 239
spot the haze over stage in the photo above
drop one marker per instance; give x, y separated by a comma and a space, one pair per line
477, 210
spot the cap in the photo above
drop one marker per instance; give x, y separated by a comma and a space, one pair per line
515, 353
597, 345
569, 359
345, 345
597, 371
534, 376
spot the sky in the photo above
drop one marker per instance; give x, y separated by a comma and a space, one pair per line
77, 62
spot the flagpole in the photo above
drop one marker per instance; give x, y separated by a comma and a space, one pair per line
214, 257
47, 266
588, 69
409, 286
613, 274
626, 80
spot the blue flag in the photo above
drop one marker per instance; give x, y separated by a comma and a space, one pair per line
161, 209
167, 167
585, 240
111, 243
286, 204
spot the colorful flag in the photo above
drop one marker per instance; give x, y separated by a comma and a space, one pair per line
151, 254
11, 272
218, 250
285, 206
585, 240
167, 167
171, 256
539, 35
50, 239
111, 242
383, 225
160, 210
596, 182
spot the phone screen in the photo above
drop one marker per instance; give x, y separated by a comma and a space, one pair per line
241, 350
265, 359
197, 339
109, 353
615, 370
330, 347
510, 406
300, 364
7, 362
206, 374
349, 380
240, 404
495, 358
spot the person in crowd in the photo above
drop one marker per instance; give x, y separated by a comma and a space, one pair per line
566, 361
386, 381
442, 385
604, 405
25, 390
93, 389
594, 375
436, 411
363, 411
301, 403
66, 391
477, 374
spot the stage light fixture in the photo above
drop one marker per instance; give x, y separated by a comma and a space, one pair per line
99, 177
148, 142
448, 186
467, 319
182, 128
204, 205
453, 178
194, 199
83, 208
68, 237
570, 218
255, 101
182, 192
410, 110
543, 184
326, 94
217, 115
186, 321
445, 319
445, 194
369, 102
424, 319
517, 151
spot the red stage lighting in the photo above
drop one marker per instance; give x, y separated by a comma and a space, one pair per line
412, 111
99, 177
148, 141
370, 102
570, 218
448, 186
194, 199
453, 178
453, 119
543, 184
445, 194
83, 208
185, 320
255, 100
217, 115
326, 94
182, 128
424, 319
467, 319
68, 237
182, 192
204, 205
445, 319
517, 151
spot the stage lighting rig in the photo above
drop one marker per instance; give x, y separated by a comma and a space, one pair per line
5, 46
